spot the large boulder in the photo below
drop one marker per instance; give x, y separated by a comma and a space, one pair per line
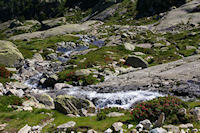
46, 100
151, 7
66, 126
9, 54
136, 62
71, 105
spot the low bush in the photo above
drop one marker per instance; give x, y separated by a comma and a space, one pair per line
4, 73
101, 116
152, 109
9, 100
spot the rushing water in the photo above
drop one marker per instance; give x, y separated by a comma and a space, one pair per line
118, 99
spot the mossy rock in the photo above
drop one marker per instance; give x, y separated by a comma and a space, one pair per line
70, 105
9, 54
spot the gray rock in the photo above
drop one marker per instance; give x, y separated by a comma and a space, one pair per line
19, 92
91, 131
146, 124
195, 130
144, 45
52, 56
46, 100
66, 126
71, 105
117, 126
9, 54
36, 128
186, 126
25, 129
156, 45
158, 130
136, 62
130, 126
182, 111
27, 109
190, 47
59, 86
115, 114
139, 127
108, 131
129, 46
196, 113
82, 72
171, 128
160, 121
134, 131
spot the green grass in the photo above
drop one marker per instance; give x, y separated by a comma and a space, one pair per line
17, 120
26, 48
9, 100
87, 122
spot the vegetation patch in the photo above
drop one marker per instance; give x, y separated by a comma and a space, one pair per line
28, 49
169, 105
9, 100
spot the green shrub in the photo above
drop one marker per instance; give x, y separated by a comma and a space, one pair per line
101, 116
152, 109
9, 100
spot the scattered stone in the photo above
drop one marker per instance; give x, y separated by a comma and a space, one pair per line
136, 62
182, 131
66, 126
195, 130
146, 124
185, 126
59, 86
130, 126
27, 109
108, 131
46, 100
36, 128
82, 72
190, 47
91, 131
134, 131
115, 114
129, 46
145, 45
160, 121
2, 126
172, 128
117, 126
139, 54
139, 127
182, 111
25, 129
196, 113
52, 56
158, 130
156, 45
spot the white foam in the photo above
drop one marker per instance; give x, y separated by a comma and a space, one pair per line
119, 99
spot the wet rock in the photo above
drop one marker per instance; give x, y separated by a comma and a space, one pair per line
66, 126
25, 129
115, 114
129, 46
136, 62
146, 124
160, 121
158, 130
50, 81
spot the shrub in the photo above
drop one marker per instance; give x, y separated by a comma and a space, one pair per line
4, 73
9, 100
152, 109
101, 116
